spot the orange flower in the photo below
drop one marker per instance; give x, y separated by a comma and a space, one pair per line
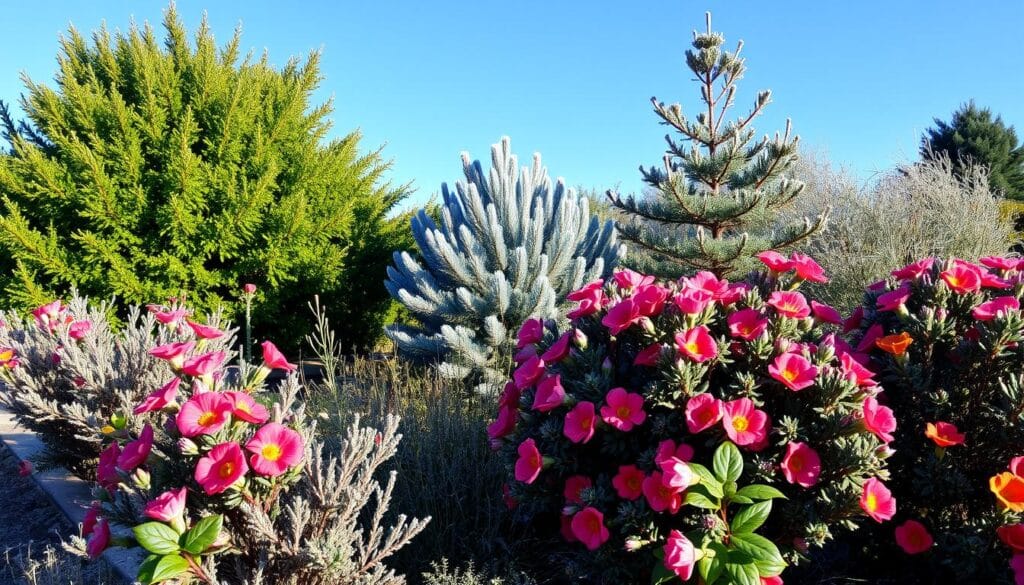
895, 344
944, 434
1009, 490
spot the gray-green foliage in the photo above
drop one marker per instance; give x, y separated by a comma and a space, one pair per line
509, 246
714, 205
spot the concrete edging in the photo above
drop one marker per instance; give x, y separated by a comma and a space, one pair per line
71, 495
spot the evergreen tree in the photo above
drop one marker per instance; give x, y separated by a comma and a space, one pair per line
508, 247
715, 204
975, 135
153, 170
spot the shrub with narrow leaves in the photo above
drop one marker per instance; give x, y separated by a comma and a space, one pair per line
693, 431
226, 483
945, 338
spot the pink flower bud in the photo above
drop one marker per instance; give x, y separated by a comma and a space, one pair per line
249, 288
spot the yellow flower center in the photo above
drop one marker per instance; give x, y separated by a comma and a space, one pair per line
740, 423
271, 452
622, 412
789, 375
6, 356
872, 502
107, 429
953, 280
207, 418
226, 469
692, 347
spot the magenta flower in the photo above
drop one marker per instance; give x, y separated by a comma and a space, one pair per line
775, 262
873, 334
531, 331
99, 540
648, 356
628, 482
508, 416
854, 320
166, 507
734, 293
649, 300
274, 448
893, 300
913, 537
528, 373
914, 270
106, 470
166, 316
675, 472
78, 329
203, 414
789, 304
806, 268
826, 314
48, 316
747, 324
136, 452
703, 411
588, 527
661, 497
621, 316
204, 331
221, 468
668, 450
794, 371
962, 277
25, 468
989, 310
628, 279
580, 422
244, 407
707, 283
680, 556
744, 424
590, 298
878, 419
856, 372
691, 301
92, 516
274, 359
999, 262
249, 288
696, 344
161, 398
801, 464
876, 500
558, 350
550, 394
529, 463
574, 487
624, 410
173, 353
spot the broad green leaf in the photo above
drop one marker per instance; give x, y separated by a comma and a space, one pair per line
760, 492
751, 517
169, 567
202, 535
727, 462
145, 574
707, 479
745, 574
157, 538
699, 500
738, 499
764, 552
661, 575
712, 564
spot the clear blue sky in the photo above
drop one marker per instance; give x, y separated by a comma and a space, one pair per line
572, 79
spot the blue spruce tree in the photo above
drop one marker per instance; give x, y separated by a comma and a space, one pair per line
509, 246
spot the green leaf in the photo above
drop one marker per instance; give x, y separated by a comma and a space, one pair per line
202, 535
764, 552
661, 575
713, 562
760, 492
707, 479
751, 517
157, 538
742, 574
738, 499
146, 569
699, 500
727, 462
169, 567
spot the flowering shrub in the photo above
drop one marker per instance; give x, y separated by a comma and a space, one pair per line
221, 482
69, 376
693, 428
944, 338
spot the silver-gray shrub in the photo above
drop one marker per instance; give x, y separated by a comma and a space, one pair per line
905, 214
66, 390
509, 246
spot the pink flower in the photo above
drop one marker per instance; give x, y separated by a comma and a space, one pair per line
679, 555
675, 471
204, 331
1017, 566
661, 497
588, 527
590, 298
794, 371
621, 316
106, 470
806, 268
249, 288
668, 450
962, 277
174, 353
989, 280
159, 399
893, 300
526, 353
274, 359
873, 334
244, 407
624, 410
628, 279
747, 324
550, 394
92, 515
274, 448
529, 463
203, 414
136, 452
697, 344
734, 293
691, 301
166, 507
913, 537
775, 262
855, 372
203, 365
914, 270
531, 331
853, 321
628, 482
25, 468
1012, 536
876, 500
78, 329
99, 540
528, 373
801, 465
649, 356
702, 412
48, 316
221, 468
999, 262
508, 416
773, 580
558, 350
826, 314
789, 304
574, 487
989, 310
649, 300
878, 419
1017, 466
579, 422
744, 424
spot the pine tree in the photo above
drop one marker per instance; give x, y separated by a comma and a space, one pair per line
975, 135
508, 247
715, 204
153, 170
